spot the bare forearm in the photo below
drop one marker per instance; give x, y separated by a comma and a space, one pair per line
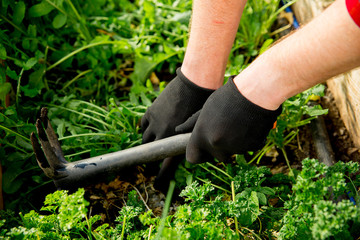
213, 29
327, 46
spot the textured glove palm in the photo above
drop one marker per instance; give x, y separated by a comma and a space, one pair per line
227, 124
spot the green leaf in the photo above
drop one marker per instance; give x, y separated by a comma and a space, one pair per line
32, 30
266, 45
11, 74
36, 79
25, 44
59, 20
61, 129
145, 100
3, 54
24, 144
315, 111
318, 90
19, 13
267, 191
29, 92
149, 9
10, 182
4, 89
262, 198
30, 63
40, 9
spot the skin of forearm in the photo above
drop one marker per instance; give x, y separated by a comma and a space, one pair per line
325, 47
213, 29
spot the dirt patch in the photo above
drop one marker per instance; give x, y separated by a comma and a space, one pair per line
342, 144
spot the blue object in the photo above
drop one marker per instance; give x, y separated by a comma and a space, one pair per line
351, 198
295, 23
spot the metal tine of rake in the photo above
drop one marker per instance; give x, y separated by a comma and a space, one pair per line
50, 158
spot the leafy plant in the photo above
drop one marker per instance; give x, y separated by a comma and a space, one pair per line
67, 219
97, 67
297, 112
313, 212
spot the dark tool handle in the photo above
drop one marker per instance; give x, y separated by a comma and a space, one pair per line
81, 172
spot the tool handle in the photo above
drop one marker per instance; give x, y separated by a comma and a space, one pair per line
84, 171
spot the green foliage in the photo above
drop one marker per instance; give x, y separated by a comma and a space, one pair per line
77, 59
297, 111
311, 212
65, 218
95, 65
90, 64
308, 212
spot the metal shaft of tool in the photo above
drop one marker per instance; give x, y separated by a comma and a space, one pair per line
88, 170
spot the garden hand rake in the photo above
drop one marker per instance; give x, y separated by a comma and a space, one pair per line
67, 175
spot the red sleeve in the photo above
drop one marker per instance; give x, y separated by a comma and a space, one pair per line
353, 6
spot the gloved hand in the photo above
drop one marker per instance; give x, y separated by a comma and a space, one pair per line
180, 99
227, 124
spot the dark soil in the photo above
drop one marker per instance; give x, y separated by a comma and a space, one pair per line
343, 147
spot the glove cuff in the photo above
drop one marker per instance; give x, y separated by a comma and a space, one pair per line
255, 111
204, 92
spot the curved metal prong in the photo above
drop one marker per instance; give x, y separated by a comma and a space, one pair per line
51, 136
40, 157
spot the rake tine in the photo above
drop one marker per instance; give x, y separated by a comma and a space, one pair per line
40, 157
54, 162
51, 135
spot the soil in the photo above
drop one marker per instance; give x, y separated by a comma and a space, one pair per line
343, 147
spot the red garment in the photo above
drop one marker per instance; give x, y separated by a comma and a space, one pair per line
353, 7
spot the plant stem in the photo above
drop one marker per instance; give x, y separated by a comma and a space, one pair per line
165, 210
79, 50
14, 146
214, 185
81, 20
209, 171
150, 232
13, 24
86, 134
123, 228
76, 78
18, 88
15, 133
59, 9
291, 173
78, 153
82, 114
233, 198
45, 59
220, 170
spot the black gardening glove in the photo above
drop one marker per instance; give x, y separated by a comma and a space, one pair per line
180, 99
227, 124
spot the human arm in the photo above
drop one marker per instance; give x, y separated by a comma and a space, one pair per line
213, 29
327, 46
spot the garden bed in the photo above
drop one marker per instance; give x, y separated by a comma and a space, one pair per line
97, 69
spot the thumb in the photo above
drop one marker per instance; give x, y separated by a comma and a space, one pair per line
188, 125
